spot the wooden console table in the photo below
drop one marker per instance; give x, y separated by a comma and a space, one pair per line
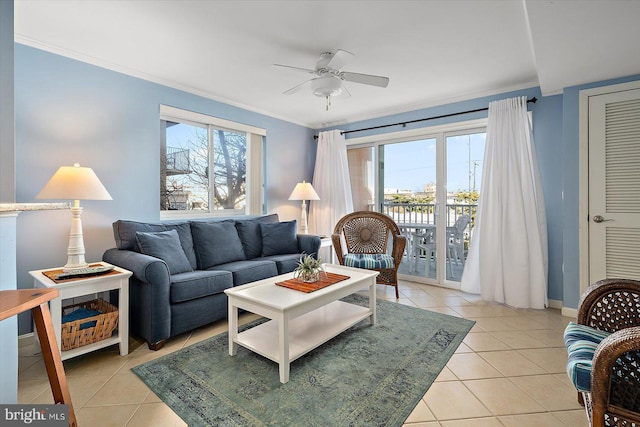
13, 302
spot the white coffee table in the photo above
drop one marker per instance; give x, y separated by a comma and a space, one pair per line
300, 321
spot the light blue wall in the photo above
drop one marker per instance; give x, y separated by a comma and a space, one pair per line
7, 178
8, 327
67, 111
571, 145
547, 128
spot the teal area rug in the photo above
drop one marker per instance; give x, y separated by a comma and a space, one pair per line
366, 376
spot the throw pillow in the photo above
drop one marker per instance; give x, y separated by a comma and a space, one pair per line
166, 246
250, 235
216, 243
279, 238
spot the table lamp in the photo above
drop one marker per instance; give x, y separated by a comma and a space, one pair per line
304, 191
75, 183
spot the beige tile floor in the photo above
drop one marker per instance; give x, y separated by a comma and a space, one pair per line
508, 372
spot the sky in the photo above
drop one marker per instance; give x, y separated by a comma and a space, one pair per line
411, 165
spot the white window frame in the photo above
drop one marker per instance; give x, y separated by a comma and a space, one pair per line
254, 158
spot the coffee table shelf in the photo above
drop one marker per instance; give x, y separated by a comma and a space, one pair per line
305, 332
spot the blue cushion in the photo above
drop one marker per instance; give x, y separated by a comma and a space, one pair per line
251, 236
286, 263
166, 246
575, 332
369, 260
581, 342
249, 271
216, 243
198, 284
279, 238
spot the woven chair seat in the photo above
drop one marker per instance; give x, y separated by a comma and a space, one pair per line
369, 261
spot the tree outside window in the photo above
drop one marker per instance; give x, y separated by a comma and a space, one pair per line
187, 151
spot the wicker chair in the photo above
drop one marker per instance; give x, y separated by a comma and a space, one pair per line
613, 305
361, 239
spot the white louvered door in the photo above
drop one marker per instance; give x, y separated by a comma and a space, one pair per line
614, 185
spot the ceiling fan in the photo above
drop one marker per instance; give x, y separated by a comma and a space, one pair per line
329, 78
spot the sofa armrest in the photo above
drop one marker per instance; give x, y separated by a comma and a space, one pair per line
149, 294
309, 244
145, 268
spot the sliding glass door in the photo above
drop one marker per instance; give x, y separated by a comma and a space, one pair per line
430, 186
465, 153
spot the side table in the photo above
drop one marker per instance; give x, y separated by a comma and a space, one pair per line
118, 279
13, 302
325, 242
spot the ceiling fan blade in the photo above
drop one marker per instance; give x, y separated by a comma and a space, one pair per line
345, 92
297, 88
305, 70
365, 79
340, 59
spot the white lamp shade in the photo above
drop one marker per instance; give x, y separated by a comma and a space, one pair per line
304, 191
74, 183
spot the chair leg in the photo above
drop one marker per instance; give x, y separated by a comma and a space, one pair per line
397, 293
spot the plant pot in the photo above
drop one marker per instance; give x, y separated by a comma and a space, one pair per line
310, 277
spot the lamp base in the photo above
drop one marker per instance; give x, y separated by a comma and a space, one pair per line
303, 228
74, 265
75, 251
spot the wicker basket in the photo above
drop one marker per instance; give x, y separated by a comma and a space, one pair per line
73, 337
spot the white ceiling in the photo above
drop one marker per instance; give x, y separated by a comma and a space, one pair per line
434, 52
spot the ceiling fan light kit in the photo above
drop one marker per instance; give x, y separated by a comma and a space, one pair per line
330, 78
327, 86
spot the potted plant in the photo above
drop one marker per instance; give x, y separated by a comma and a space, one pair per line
308, 269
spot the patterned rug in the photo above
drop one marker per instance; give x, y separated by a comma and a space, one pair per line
366, 376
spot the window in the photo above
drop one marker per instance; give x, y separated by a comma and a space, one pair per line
208, 166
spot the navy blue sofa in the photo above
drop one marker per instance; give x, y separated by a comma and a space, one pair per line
181, 268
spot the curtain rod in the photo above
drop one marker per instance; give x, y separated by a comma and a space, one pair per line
403, 124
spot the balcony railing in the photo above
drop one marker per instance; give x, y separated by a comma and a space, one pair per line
177, 161
424, 213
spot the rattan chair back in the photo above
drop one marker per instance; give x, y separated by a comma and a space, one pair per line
366, 232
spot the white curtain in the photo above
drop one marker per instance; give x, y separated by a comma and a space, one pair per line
507, 260
331, 182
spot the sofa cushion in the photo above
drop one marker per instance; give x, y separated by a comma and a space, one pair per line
124, 232
249, 271
166, 246
250, 235
285, 263
216, 243
198, 284
279, 238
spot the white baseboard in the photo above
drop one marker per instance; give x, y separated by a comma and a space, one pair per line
570, 312
554, 303
565, 311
